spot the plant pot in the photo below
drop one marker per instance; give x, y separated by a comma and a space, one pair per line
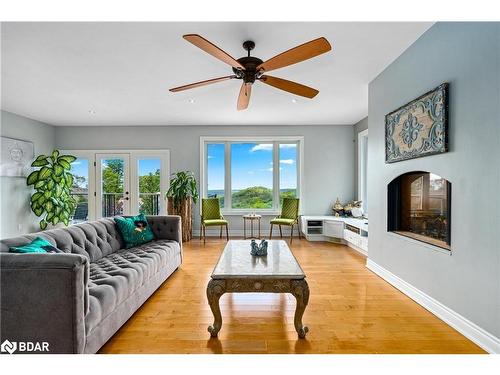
185, 211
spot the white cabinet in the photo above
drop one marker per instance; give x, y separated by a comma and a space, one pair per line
348, 230
333, 228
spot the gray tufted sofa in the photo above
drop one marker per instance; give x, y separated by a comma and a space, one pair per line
77, 299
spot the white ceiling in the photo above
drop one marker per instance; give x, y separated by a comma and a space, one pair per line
120, 73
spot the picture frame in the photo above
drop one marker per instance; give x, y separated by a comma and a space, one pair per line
418, 128
16, 157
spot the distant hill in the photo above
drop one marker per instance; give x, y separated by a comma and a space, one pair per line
252, 197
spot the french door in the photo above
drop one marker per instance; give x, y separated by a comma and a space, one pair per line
119, 183
113, 185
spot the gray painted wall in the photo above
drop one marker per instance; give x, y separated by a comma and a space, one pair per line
357, 128
16, 215
328, 156
467, 56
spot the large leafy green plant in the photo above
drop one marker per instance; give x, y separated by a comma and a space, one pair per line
52, 200
182, 186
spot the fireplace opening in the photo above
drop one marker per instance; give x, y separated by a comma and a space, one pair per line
419, 206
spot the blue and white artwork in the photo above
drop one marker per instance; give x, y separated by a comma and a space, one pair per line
419, 128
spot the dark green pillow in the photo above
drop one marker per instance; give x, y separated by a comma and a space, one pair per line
38, 245
135, 230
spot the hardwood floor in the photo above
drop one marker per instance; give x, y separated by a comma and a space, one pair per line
351, 310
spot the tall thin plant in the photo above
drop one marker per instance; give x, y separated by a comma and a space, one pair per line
182, 187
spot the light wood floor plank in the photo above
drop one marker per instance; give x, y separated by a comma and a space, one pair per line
351, 310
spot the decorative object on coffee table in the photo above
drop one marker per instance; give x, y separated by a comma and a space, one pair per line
419, 128
251, 218
258, 250
52, 198
180, 197
238, 272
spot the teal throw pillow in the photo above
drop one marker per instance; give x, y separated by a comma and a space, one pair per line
135, 230
38, 245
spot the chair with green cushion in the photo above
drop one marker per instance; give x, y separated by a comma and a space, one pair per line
211, 216
289, 216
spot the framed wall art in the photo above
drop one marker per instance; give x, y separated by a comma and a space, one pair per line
16, 157
419, 128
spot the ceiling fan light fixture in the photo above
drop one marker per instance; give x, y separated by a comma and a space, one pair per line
250, 68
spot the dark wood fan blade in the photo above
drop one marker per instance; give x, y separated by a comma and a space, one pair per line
201, 83
244, 97
295, 55
212, 49
292, 87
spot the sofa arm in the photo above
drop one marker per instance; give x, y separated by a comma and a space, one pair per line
44, 297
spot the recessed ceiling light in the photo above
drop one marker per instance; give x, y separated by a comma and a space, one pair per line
294, 100
191, 100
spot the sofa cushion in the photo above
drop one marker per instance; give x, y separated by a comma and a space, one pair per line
135, 230
38, 245
116, 276
93, 240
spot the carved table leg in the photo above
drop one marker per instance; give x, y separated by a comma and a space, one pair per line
300, 291
215, 289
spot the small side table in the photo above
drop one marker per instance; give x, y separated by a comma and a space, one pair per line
251, 218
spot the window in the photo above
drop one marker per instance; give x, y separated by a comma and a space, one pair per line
288, 170
215, 168
80, 190
119, 182
250, 174
149, 186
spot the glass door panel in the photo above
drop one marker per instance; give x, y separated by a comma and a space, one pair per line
149, 182
80, 190
113, 196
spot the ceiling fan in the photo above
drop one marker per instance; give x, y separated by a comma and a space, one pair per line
251, 69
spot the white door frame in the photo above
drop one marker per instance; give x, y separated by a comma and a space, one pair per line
134, 156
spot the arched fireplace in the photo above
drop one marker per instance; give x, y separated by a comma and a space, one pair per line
418, 206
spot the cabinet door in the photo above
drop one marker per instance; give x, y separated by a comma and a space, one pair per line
333, 229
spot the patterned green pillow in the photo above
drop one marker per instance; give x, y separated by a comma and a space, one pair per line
135, 230
38, 245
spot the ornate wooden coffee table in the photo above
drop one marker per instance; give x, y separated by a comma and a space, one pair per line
239, 272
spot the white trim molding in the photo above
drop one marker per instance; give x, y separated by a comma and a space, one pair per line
473, 332
362, 168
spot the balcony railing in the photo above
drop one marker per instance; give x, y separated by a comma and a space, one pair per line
112, 205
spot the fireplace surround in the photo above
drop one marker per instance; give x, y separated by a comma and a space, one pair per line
419, 207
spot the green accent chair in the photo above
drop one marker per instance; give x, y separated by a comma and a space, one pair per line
289, 216
211, 216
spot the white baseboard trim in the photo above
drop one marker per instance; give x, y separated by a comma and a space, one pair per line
473, 332
358, 249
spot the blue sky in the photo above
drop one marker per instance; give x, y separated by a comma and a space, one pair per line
251, 166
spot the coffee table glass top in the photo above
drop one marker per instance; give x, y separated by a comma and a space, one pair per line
237, 262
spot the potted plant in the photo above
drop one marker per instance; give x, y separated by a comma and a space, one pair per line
180, 197
52, 200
